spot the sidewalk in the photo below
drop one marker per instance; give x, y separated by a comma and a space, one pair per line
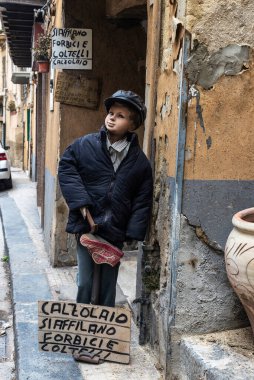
7, 364
34, 279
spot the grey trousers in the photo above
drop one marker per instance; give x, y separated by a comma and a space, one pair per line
108, 279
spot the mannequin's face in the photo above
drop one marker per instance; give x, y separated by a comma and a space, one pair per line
118, 121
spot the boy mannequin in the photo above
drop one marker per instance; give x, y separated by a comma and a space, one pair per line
108, 173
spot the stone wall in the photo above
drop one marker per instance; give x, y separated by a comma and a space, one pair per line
202, 141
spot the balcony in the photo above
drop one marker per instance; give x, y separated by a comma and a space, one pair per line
18, 19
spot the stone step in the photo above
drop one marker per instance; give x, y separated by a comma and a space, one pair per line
218, 356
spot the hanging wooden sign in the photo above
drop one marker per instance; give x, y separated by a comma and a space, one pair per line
72, 328
77, 90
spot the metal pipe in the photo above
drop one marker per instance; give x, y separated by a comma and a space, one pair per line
177, 194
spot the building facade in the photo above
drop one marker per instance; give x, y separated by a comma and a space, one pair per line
192, 61
202, 71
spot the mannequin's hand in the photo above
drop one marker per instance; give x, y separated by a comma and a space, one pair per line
83, 212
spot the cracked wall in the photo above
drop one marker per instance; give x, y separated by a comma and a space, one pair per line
205, 69
218, 162
164, 142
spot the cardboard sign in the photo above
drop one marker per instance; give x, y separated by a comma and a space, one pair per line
71, 328
72, 49
77, 90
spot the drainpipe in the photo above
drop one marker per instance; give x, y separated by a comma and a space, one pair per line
154, 8
177, 195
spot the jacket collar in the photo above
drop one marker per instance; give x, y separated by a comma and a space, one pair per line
131, 136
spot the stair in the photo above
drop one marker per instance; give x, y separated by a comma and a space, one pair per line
218, 356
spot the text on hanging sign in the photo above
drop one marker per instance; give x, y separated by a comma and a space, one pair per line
72, 48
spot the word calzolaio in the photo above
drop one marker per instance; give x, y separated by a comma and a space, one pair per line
68, 327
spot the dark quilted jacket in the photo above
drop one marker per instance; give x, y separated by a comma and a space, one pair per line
119, 202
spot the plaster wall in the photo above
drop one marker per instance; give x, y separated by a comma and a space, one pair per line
14, 126
118, 62
51, 162
52, 136
52, 154
53, 116
115, 8
16, 148
219, 138
14, 137
26, 143
217, 177
3, 58
165, 131
33, 126
218, 153
40, 142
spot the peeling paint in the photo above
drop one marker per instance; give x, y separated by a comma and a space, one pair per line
202, 236
192, 275
209, 142
166, 107
166, 59
205, 69
195, 146
178, 30
220, 23
188, 154
194, 93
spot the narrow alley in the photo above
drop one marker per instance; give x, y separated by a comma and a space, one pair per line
34, 279
167, 176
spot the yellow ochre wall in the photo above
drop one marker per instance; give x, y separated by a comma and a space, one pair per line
53, 117
224, 149
203, 163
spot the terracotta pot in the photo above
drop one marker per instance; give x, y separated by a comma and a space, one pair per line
239, 259
43, 66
